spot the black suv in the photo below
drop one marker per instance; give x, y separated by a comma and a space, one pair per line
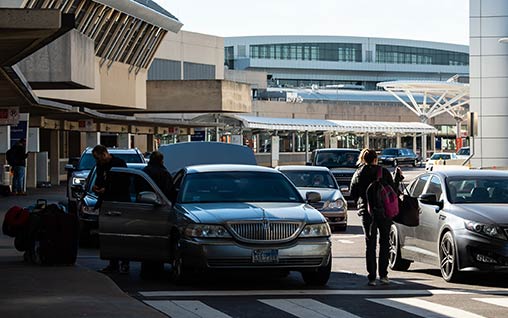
398, 156
77, 173
341, 162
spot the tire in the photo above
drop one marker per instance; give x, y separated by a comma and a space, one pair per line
319, 276
395, 261
448, 258
395, 163
179, 272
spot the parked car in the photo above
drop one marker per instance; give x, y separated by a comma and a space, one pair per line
463, 153
86, 205
77, 173
463, 223
226, 216
398, 156
319, 179
341, 162
439, 157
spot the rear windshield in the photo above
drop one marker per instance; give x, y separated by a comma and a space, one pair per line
87, 161
238, 186
438, 156
389, 152
335, 159
311, 179
463, 152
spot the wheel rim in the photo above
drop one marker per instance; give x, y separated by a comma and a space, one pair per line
177, 267
392, 254
447, 257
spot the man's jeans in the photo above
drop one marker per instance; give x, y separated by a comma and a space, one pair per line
18, 180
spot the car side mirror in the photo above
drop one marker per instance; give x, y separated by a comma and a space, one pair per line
313, 197
430, 199
147, 197
78, 189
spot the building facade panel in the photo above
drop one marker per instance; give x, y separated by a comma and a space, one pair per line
494, 26
165, 70
491, 8
492, 106
196, 71
493, 126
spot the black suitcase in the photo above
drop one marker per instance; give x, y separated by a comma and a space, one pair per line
5, 190
54, 237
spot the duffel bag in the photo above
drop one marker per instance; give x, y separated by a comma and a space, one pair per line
14, 221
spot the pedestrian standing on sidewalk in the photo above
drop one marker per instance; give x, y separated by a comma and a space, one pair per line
110, 189
363, 177
16, 158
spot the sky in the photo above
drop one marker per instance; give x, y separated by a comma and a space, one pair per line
429, 20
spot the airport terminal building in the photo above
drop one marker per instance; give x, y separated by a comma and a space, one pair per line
302, 61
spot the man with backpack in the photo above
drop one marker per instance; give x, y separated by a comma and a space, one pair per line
372, 188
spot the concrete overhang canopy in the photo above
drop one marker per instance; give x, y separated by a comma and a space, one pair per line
146, 10
198, 96
424, 86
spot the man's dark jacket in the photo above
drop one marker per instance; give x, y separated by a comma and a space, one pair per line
161, 176
117, 187
16, 156
362, 178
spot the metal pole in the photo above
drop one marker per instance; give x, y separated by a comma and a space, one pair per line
306, 146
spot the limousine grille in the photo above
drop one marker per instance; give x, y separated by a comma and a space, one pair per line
265, 231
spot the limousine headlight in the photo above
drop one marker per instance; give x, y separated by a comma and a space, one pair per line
333, 205
316, 230
206, 231
485, 229
77, 181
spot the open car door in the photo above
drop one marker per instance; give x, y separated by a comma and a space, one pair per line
136, 228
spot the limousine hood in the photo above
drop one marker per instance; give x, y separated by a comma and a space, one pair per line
220, 213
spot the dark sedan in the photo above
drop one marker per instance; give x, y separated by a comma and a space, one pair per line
398, 156
463, 223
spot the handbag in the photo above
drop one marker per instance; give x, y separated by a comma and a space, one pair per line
409, 210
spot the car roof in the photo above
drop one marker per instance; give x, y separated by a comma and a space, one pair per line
302, 168
443, 153
472, 173
228, 168
337, 149
116, 150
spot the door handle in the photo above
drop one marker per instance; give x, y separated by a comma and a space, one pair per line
442, 217
114, 213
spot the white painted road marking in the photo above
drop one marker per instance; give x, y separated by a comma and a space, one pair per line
345, 241
185, 309
503, 302
367, 292
424, 308
307, 308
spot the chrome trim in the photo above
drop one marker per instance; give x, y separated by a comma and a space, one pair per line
133, 235
265, 231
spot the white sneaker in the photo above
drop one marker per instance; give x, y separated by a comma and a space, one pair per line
384, 280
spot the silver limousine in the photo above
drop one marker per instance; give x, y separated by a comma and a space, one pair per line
224, 217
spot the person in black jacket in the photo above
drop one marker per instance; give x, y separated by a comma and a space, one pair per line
363, 177
16, 158
110, 189
160, 175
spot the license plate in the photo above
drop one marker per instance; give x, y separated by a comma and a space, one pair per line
265, 256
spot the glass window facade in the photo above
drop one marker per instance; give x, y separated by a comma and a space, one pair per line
335, 52
395, 54
229, 57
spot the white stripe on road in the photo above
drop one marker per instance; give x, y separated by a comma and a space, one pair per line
503, 302
307, 308
345, 241
424, 308
367, 292
186, 309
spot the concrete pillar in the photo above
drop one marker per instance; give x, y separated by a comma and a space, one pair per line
488, 81
334, 142
5, 138
274, 153
327, 140
54, 157
366, 140
150, 143
424, 147
414, 143
293, 136
399, 140
124, 140
93, 139
306, 146
31, 170
433, 143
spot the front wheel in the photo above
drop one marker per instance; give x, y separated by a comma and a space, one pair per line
448, 258
395, 261
320, 276
179, 270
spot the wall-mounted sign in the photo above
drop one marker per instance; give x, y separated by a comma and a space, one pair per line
9, 116
85, 125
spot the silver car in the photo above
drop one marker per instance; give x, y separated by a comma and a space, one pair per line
319, 179
224, 217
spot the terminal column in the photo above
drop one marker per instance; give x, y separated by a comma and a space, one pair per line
54, 157
124, 141
93, 139
5, 138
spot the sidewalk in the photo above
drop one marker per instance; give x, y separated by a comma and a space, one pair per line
57, 291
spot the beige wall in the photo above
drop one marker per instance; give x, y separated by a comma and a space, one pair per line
113, 87
343, 111
255, 78
195, 48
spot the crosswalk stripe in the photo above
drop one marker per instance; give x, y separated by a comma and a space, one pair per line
345, 241
424, 308
186, 309
365, 292
307, 308
503, 302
